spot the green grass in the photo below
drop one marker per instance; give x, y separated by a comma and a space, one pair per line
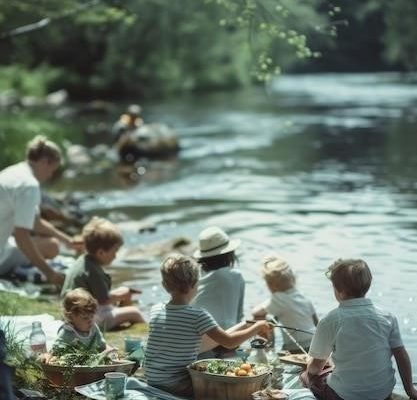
13, 304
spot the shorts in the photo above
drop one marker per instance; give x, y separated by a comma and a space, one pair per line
104, 317
11, 257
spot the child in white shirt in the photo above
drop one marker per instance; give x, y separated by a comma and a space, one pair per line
361, 340
287, 304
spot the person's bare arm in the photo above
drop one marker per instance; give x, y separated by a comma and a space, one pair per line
234, 339
315, 366
122, 293
404, 368
24, 241
44, 227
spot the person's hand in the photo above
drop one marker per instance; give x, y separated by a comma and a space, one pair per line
57, 278
44, 358
262, 327
304, 378
259, 313
76, 243
267, 333
412, 394
123, 295
135, 290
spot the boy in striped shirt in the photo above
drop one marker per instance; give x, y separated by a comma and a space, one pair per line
176, 329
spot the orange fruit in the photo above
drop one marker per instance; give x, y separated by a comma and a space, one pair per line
246, 367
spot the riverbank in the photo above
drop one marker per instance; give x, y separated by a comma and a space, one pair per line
11, 304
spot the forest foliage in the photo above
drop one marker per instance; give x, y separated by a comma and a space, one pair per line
108, 48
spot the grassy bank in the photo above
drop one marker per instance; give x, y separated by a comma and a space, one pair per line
12, 304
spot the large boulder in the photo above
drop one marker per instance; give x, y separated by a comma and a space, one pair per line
147, 141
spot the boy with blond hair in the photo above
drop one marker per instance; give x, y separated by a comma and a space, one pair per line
177, 328
102, 240
287, 304
361, 340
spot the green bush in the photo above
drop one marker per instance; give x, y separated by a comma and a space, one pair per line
28, 82
20, 126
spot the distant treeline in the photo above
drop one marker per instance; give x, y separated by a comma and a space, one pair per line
149, 47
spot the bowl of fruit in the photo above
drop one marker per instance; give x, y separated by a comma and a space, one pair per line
227, 379
73, 366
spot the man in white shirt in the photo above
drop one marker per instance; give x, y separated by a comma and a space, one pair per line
361, 340
19, 212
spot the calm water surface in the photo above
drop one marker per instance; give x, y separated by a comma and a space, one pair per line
313, 167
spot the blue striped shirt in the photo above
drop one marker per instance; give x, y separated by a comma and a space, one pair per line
174, 341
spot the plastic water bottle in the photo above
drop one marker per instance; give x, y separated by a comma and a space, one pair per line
37, 339
257, 353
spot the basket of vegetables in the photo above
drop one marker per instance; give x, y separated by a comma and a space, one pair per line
214, 379
74, 366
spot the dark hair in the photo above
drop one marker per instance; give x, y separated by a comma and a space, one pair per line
218, 261
350, 276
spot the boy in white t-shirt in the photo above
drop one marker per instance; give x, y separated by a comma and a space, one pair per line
361, 340
287, 304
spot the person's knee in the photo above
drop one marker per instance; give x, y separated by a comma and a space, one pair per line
51, 249
132, 314
135, 314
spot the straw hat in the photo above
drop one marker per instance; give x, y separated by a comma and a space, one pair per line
214, 241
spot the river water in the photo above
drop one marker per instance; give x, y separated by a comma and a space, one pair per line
314, 167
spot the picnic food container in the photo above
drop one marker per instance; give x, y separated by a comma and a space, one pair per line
63, 376
210, 386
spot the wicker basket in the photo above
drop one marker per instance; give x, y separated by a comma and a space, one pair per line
82, 375
207, 386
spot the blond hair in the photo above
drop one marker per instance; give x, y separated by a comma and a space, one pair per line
40, 147
350, 276
78, 301
100, 233
278, 274
179, 273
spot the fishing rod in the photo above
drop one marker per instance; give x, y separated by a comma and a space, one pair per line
275, 324
292, 338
